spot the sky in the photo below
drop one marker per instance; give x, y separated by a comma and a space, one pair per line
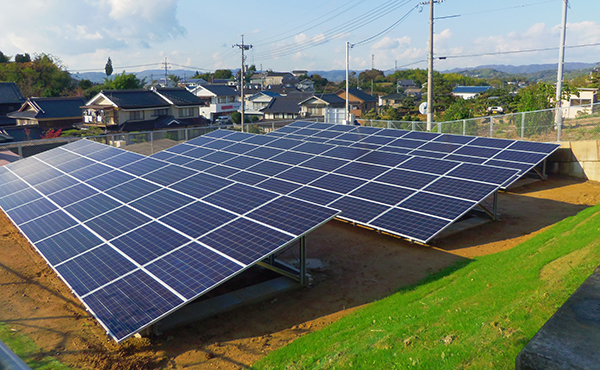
200, 35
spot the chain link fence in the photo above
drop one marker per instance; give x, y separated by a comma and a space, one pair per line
582, 123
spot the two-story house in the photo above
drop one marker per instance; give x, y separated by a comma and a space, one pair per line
582, 103
132, 110
359, 102
317, 104
218, 101
11, 100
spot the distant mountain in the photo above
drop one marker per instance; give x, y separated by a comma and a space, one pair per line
530, 68
149, 75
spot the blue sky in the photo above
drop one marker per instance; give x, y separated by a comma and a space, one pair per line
311, 34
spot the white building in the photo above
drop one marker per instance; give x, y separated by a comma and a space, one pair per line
222, 101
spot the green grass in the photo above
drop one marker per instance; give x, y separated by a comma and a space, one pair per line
475, 315
26, 349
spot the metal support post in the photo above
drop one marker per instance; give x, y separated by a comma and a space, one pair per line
20, 151
522, 125
414, 126
152, 142
495, 206
464, 127
491, 127
303, 279
439, 125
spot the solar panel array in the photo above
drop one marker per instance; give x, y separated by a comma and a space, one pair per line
134, 237
413, 197
520, 155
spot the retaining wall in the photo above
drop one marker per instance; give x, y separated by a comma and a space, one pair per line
579, 159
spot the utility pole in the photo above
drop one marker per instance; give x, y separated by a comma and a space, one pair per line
430, 67
166, 65
372, 62
348, 46
242, 47
559, 77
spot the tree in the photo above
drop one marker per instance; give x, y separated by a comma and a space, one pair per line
222, 74
108, 68
175, 78
22, 58
4, 58
124, 81
51, 134
459, 109
85, 84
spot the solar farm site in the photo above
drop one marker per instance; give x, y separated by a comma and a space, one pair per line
136, 238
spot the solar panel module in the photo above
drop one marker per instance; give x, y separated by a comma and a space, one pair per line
136, 238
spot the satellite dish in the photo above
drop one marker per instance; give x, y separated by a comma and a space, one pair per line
423, 108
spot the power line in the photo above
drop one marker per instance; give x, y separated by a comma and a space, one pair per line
387, 29
516, 51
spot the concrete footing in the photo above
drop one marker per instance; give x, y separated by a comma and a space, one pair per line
571, 338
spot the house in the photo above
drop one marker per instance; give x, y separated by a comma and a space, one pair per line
393, 100
582, 104
469, 92
306, 85
135, 110
259, 100
280, 78
300, 72
359, 101
283, 107
218, 101
414, 92
11, 100
316, 104
50, 113
190, 83
406, 84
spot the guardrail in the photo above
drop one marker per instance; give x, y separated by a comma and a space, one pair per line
10, 361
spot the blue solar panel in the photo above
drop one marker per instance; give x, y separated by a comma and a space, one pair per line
17, 198
328, 134
143, 167
518, 156
240, 148
13, 187
199, 152
382, 193
263, 152
199, 165
41, 176
384, 159
337, 183
248, 178
132, 190
313, 148
391, 133
291, 158
482, 173
181, 148
117, 222
461, 188
278, 186
179, 159
417, 135
410, 179
410, 224
193, 269
222, 171
197, 219
160, 202
47, 225
433, 166
324, 164
269, 168
300, 175
455, 139
529, 146
491, 143
92, 207
464, 158
440, 147
246, 241
218, 157
149, 242
437, 205
109, 180
219, 134
72, 194
315, 195
67, 244
259, 140
53, 185
428, 154
362, 170
168, 175
406, 143
359, 210
380, 140
218, 144
291, 215
474, 151
240, 198
31, 210
94, 268
130, 303
201, 185
122, 159
90, 172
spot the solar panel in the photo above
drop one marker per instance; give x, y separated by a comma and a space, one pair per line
136, 238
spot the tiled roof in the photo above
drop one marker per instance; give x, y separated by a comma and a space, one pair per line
362, 95
179, 96
51, 108
220, 90
135, 98
10, 93
283, 104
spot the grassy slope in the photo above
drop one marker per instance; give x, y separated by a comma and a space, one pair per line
26, 349
477, 315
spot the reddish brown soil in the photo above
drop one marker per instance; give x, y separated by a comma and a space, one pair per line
359, 266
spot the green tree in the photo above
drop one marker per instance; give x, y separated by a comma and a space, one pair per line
222, 74
4, 58
108, 68
251, 71
22, 58
204, 76
459, 109
175, 78
85, 84
124, 81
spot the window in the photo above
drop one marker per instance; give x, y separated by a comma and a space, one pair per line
137, 115
186, 112
161, 112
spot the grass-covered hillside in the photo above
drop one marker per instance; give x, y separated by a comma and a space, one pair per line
476, 315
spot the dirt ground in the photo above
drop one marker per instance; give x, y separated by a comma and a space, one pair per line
358, 266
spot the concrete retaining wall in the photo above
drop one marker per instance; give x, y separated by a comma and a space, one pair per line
579, 159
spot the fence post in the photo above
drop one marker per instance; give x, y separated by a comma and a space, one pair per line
464, 127
559, 123
439, 127
491, 126
522, 125
151, 142
186, 134
272, 126
414, 126
389, 124
20, 151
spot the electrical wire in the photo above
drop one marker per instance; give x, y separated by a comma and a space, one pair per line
367, 40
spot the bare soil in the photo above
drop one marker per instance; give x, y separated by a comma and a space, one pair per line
353, 267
